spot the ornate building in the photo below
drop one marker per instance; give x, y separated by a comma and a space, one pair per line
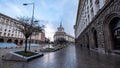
98, 25
61, 34
10, 34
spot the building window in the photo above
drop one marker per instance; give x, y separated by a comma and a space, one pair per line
7, 21
92, 12
12, 31
9, 30
90, 3
8, 34
97, 4
88, 17
5, 29
4, 34
88, 9
12, 35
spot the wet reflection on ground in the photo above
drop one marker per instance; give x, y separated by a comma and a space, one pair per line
90, 59
68, 58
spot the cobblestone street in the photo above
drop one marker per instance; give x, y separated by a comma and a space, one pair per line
68, 57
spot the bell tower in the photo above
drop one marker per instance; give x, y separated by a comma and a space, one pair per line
61, 29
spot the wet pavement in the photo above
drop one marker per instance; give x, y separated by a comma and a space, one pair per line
68, 57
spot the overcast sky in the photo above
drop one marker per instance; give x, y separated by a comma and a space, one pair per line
49, 12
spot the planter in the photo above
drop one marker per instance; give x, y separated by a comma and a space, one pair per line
13, 56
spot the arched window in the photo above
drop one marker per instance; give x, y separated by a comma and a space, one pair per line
9, 41
21, 42
87, 39
95, 38
115, 32
16, 41
1, 40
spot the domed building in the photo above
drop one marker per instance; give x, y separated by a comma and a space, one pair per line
60, 34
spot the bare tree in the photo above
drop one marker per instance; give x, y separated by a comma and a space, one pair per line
27, 27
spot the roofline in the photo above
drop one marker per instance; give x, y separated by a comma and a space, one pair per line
8, 17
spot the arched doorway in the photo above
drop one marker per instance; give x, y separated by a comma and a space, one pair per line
115, 32
81, 46
16, 41
95, 38
87, 40
83, 41
9, 41
21, 42
36, 42
1, 40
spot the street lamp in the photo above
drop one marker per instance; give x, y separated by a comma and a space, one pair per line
32, 19
25, 4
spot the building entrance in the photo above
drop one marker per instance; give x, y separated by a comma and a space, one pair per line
115, 32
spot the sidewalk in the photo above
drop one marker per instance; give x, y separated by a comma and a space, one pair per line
32, 48
68, 57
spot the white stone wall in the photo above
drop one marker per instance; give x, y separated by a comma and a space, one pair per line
65, 36
69, 38
8, 29
36, 37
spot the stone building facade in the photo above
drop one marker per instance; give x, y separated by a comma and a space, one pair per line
10, 34
59, 34
102, 34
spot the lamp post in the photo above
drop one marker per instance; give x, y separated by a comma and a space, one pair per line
32, 19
